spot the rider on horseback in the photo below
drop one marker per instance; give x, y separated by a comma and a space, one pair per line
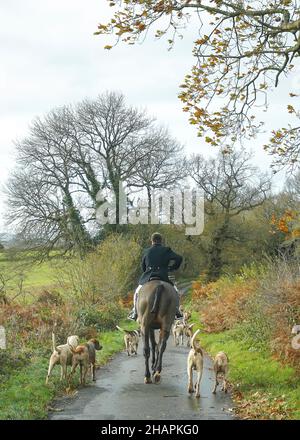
156, 264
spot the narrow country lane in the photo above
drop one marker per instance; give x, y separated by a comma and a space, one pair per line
120, 393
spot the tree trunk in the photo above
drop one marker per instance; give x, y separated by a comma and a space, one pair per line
216, 248
149, 204
79, 235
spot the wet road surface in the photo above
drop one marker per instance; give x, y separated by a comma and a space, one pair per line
120, 393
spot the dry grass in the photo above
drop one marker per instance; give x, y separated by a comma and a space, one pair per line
222, 303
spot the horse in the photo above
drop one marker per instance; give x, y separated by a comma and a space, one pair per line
156, 311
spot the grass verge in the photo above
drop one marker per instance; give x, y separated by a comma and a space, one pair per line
262, 387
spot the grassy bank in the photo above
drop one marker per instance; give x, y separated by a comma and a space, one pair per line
235, 316
262, 387
23, 392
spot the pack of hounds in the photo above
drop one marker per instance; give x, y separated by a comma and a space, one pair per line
84, 355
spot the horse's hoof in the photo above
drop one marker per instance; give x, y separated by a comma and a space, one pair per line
147, 380
156, 377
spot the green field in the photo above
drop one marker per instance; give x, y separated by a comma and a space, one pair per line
34, 276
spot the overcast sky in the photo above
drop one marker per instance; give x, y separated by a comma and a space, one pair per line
50, 57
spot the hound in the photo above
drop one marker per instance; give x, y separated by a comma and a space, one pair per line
221, 365
178, 331
62, 355
186, 317
131, 339
195, 362
296, 338
85, 356
188, 331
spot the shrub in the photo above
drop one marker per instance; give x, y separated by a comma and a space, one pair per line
10, 362
261, 304
53, 297
32, 325
222, 303
105, 275
104, 318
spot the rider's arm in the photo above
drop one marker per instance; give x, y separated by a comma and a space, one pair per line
143, 265
175, 259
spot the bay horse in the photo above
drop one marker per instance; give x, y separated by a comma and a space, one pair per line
156, 309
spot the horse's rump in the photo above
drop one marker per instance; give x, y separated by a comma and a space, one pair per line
157, 302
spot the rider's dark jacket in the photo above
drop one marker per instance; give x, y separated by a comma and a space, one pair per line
157, 261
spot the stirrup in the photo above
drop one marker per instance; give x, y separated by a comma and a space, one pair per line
132, 315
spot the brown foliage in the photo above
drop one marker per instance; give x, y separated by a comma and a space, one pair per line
267, 305
261, 406
222, 304
33, 324
284, 314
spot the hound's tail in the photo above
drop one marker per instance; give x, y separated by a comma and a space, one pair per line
193, 342
157, 296
123, 329
54, 348
53, 342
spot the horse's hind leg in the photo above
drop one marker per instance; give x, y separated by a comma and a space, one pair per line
147, 356
162, 346
153, 348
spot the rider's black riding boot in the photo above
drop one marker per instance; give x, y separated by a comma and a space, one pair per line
178, 314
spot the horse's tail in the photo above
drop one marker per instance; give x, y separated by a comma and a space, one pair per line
157, 296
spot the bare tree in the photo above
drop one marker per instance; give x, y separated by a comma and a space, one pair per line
118, 137
44, 186
163, 166
231, 185
71, 154
292, 187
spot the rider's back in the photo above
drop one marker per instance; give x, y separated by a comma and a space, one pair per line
156, 262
